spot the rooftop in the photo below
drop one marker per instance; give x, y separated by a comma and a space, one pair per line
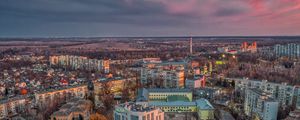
74, 105
177, 98
175, 103
135, 107
263, 95
168, 90
204, 104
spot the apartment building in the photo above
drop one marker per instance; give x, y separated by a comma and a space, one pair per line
260, 104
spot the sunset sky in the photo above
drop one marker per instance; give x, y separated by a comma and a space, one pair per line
66, 18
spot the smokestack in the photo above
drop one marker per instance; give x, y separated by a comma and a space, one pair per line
191, 45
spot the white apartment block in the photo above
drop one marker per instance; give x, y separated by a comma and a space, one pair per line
11, 107
260, 104
80, 62
283, 93
44, 97
135, 111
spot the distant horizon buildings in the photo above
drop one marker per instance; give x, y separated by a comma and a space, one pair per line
290, 50
79, 62
246, 47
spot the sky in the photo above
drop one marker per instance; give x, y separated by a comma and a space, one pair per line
117, 18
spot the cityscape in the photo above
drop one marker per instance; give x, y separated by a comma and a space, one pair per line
150, 60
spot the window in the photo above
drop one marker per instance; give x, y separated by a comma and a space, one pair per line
152, 116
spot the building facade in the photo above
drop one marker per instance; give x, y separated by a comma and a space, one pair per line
44, 97
135, 111
163, 74
245, 47
283, 93
75, 109
196, 82
261, 104
291, 50
80, 62
177, 101
11, 107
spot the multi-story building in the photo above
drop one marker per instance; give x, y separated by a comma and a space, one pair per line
75, 109
10, 107
116, 85
163, 74
196, 82
176, 101
245, 47
291, 50
298, 98
166, 94
260, 104
135, 111
44, 97
283, 93
80, 62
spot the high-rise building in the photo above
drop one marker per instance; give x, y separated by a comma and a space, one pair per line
80, 62
260, 104
283, 93
291, 50
136, 111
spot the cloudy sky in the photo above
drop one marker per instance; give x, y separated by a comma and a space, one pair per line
65, 18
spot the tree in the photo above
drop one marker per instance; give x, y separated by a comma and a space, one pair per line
106, 95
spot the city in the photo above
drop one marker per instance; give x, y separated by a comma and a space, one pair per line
194, 78
150, 60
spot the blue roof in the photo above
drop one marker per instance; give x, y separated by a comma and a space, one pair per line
204, 104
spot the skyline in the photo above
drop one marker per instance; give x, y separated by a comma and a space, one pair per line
144, 18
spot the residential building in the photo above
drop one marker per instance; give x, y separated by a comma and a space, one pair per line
116, 85
283, 93
163, 74
177, 101
260, 104
136, 111
80, 62
75, 109
196, 82
290, 50
44, 97
10, 107
155, 94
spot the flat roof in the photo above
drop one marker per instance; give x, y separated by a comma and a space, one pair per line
177, 98
168, 90
204, 104
175, 103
